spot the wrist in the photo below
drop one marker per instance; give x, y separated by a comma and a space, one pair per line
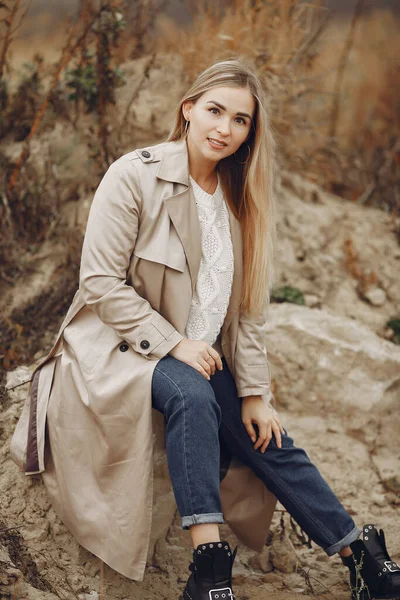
253, 397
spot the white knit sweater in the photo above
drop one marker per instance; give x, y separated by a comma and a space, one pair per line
214, 283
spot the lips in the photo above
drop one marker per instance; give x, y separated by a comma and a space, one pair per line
217, 142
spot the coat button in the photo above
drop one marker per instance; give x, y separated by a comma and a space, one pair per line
144, 344
124, 347
146, 154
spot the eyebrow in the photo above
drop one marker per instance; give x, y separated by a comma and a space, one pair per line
241, 114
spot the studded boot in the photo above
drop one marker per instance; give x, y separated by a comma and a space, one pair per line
211, 573
373, 574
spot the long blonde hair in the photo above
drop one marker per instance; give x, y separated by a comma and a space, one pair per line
248, 187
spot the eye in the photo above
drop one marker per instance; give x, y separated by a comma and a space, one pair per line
242, 120
214, 108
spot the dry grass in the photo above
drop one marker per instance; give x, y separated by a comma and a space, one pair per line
343, 136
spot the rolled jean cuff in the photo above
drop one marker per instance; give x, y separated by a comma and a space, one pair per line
200, 519
346, 541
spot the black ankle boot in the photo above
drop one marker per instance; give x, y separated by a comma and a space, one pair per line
211, 577
373, 574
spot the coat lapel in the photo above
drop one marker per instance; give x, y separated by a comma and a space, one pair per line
181, 206
183, 213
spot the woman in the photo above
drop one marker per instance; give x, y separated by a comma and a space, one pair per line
170, 313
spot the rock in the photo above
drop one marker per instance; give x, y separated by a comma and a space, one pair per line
91, 596
312, 300
18, 377
322, 557
389, 333
271, 578
262, 561
330, 238
318, 356
267, 587
265, 561
376, 296
393, 498
4, 555
378, 499
283, 555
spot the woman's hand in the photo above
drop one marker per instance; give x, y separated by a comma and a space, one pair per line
256, 411
199, 355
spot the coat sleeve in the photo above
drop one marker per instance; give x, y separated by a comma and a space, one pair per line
252, 371
107, 249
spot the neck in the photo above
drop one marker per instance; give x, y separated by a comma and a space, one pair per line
202, 170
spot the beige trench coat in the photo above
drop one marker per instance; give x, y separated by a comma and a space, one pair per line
87, 422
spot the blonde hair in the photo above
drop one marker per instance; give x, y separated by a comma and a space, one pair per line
248, 187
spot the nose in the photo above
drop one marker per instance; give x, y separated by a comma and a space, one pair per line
224, 127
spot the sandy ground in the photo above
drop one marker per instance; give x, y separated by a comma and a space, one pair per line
48, 558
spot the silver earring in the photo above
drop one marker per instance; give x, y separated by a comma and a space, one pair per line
186, 126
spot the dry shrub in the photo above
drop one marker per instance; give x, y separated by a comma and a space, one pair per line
279, 39
363, 164
296, 47
372, 83
274, 35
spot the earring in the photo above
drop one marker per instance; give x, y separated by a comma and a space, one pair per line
247, 159
186, 127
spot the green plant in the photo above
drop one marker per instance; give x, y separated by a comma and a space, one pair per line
82, 81
394, 324
288, 293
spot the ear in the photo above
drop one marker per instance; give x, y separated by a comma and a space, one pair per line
186, 108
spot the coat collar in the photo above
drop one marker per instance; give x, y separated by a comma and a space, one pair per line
181, 206
174, 164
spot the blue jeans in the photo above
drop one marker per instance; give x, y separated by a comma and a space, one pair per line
202, 417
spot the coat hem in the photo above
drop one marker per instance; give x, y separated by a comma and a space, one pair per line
134, 574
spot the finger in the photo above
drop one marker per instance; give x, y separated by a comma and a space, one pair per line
250, 430
281, 428
262, 434
267, 440
205, 365
200, 369
216, 357
277, 433
212, 364
277, 419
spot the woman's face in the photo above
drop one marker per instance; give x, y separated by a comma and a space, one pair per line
220, 121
